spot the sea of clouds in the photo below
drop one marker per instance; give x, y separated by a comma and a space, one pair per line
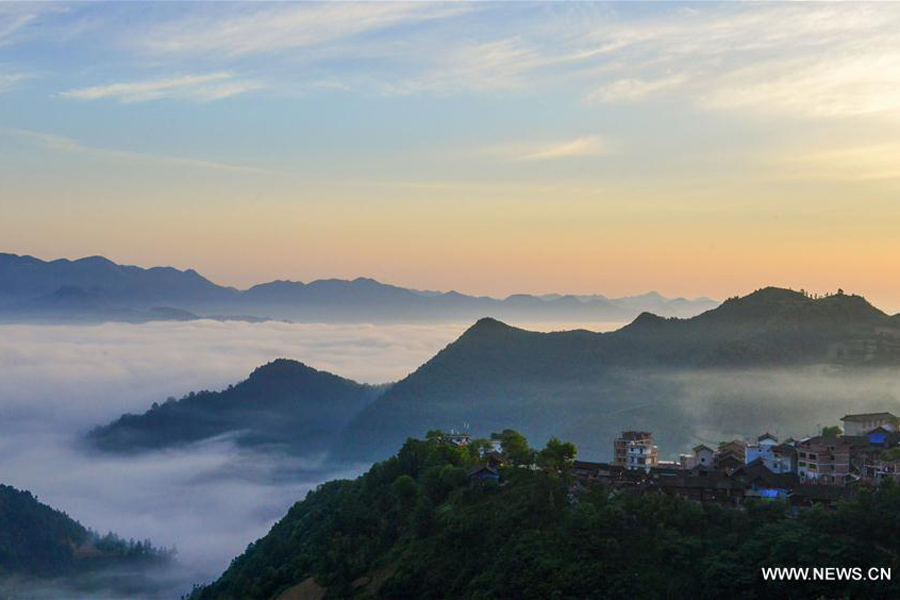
209, 500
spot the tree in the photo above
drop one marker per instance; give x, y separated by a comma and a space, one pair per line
515, 447
406, 491
831, 432
557, 456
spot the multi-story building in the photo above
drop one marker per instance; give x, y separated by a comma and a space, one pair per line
730, 455
763, 449
784, 459
778, 458
635, 450
863, 423
823, 460
702, 456
882, 468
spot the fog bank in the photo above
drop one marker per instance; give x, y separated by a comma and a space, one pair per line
208, 500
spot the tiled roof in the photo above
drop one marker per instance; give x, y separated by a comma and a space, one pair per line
757, 471
868, 416
480, 468
784, 449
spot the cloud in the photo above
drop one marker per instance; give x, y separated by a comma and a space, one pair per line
200, 88
633, 90
253, 30
809, 61
13, 20
735, 57
113, 368
579, 147
866, 84
871, 162
209, 500
490, 66
58, 143
10, 80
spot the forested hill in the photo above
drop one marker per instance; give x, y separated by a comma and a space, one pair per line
771, 326
39, 541
284, 402
416, 526
591, 385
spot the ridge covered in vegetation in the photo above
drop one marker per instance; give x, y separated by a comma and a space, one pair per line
418, 526
573, 383
283, 402
39, 540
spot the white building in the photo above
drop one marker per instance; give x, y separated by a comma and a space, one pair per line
764, 448
778, 458
863, 423
635, 450
702, 456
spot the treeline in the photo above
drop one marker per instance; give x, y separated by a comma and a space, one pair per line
417, 526
37, 540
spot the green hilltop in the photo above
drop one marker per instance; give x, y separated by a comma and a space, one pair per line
418, 525
39, 544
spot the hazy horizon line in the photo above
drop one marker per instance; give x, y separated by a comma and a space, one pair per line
364, 277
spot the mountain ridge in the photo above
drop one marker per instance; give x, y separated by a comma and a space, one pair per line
25, 280
40, 544
494, 373
283, 403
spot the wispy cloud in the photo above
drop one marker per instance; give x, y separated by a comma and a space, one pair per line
633, 90
200, 88
58, 143
865, 84
12, 21
495, 65
11, 80
870, 162
584, 146
714, 56
250, 29
809, 61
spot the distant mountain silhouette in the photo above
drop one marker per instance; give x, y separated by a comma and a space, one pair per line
284, 402
545, 383
97, 289
74, 304
24, 277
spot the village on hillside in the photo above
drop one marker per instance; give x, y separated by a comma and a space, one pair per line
814, 470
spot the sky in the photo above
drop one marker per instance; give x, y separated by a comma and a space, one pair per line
694, 149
